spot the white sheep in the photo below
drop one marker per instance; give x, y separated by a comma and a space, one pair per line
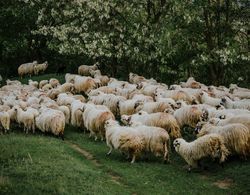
42, 83
33, 83
236, 137
5, 121
125, 139
27, 68
54, 82
97, 75
76, 113
206, 99
211, 145
84, 84
241, 104
84, 70
129, 107
40, 67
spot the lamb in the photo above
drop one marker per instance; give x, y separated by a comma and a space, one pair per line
84, 70
94, 117
241, 104
211, 145
51, 120
40, 67
236, 137
126, 139
163, 120
27, 68
84, 84
5, 121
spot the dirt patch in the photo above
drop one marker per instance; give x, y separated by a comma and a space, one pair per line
114, 176
85, 153
224, 184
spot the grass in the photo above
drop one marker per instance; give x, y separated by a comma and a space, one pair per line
43, 164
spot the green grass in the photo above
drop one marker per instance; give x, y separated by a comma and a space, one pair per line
43, 164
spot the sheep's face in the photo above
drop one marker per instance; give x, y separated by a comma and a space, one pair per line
109, 123
198, 128
125, 119
177, 143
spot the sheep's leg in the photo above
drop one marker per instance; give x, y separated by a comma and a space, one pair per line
96, 137
189, 168
133, 159
110, 150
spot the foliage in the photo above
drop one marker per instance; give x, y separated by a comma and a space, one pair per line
168, 40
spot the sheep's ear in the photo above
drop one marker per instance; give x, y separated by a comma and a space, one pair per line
222, 117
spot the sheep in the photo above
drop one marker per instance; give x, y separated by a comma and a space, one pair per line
84, 70
70, 78
97, 75
142, 98
47, 87
206, 99
104, 89
76, 113
40, 67
225, 113
156, 139
189, 115
135, 79
211, 145
163, 120
64, 109
243, 119
42, 83
129, 107
51, 120
236, 137
126, 139
114, 83
26, 118
13, 82
66, 87
153, 107
65, 99
84, 84
94, 117
27, 68
33, 83
241, 104
54, 82
5, 121
109, 100
191, 83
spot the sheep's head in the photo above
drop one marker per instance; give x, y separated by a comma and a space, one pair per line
138, 103
204, 115
125, 119
169, 111
199, 126
110, 122
177, 143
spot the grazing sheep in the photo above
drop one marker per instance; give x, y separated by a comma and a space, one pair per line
125, 139
103, 89
84, 70
206, 99
66, 87
160, 119
70, 78
153, 107
191, 83
236, 137
76, 113
211, 145
40, 67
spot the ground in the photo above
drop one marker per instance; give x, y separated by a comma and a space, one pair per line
38, 163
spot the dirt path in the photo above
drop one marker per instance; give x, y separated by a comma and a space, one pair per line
113, 175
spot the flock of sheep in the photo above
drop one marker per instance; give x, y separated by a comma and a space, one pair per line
137, 117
